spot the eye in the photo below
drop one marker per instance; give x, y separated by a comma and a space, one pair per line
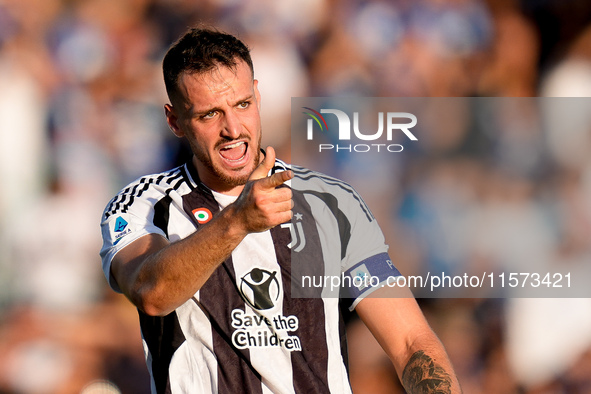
210, 115
244, 104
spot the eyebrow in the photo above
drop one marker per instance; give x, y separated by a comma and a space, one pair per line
212, 109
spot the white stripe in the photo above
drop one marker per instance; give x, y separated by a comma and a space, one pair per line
148, 358
193, 367
191, 180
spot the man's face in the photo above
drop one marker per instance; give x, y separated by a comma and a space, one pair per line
218, 112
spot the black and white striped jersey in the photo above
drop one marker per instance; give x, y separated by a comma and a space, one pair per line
262, 323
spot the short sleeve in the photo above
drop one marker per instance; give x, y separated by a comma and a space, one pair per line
366, 265
120, 227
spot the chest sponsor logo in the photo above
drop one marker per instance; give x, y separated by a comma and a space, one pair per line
260, 288
258, 331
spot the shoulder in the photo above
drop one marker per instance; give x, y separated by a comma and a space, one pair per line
310, 180
325, 187
151, 187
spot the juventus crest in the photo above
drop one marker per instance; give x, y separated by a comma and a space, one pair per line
298, 238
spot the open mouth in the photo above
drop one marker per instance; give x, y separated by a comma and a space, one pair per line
234, 152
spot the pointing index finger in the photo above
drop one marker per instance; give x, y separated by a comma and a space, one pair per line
276, 179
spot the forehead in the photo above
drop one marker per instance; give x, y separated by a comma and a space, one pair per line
215, 86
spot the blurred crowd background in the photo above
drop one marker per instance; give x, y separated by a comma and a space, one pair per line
81, 115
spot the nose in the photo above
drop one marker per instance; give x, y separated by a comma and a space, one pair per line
231, 127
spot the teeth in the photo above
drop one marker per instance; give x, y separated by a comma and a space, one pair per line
234, 145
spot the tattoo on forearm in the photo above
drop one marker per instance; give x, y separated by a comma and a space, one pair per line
423, 376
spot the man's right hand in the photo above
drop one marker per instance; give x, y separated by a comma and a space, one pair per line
263, 204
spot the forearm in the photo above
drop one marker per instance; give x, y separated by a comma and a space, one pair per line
173, 274
403, 332
428, 370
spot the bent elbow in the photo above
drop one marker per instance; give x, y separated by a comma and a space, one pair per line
154, 310
151, 302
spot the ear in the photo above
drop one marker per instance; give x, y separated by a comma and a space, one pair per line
173, 120
257, 95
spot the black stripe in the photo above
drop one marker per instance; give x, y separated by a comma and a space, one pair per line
279, 166
226, 338
309, 366
166, 175
344, 225
162, 213
139, 194
146, 187
343, 335
164, 336
179, 174
110, 206
159, 179
134, 189
218, 296
177, 185
123, 194
131, 196
116, 202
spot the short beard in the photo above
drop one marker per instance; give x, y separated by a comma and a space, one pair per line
228, 180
